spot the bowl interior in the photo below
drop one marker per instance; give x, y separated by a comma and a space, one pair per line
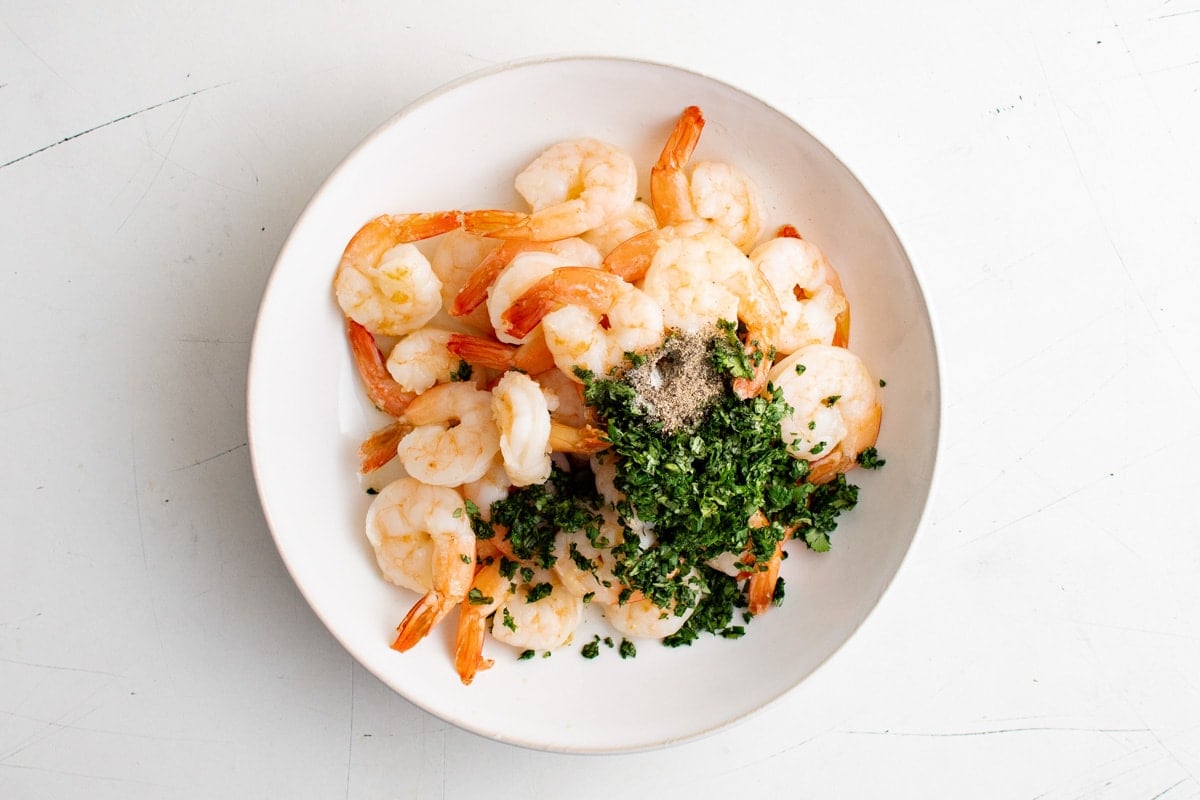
461, 148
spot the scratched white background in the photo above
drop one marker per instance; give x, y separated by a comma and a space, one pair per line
1041, 162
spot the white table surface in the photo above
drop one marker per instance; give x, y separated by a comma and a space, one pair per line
1040, 161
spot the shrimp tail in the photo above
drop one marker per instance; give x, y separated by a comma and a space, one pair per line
632, 257
532, 357
382, 389
420, 620
788, 232
565, 439
468, 644
499, 224
380, 447
763, 581
670, 195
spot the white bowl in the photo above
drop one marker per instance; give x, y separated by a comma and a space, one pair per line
461, 147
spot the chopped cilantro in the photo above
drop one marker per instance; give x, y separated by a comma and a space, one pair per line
478, 598
525, 655
462, 373
591, 649
538, 591
372, 490
829, 401
627, 650
508, 621
869, 459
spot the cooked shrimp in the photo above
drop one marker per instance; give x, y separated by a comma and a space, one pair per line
544, 624
454, 437
584, 559
382, 389
635, 220
422, 359
815, 309
572, 187
604, 473
643, 619
386, 284
454, 261
720, 194
423, 541
522, 272
701, 279
835, 414
521, 414
591, 318
475, 288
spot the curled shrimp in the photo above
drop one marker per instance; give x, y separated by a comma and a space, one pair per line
423, 540
521, 414
591, 318
584, 559
719, 194
835, 412
544, 623
454, 438
383, 282
700, 279
475, 287
493, 485
814, 306
572, 187
422, 359
643, 619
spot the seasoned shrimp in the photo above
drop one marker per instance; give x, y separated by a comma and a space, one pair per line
835, 413
454, 438
421, 359
635, 220
643, 619
521, 414
564, 397
475, 288
423, 541
717, 193
572, 187
383, 282
544, 623
584, 559
700, 279
815, 309
591, 318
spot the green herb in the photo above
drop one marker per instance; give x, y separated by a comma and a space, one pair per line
547, 654
508, 621
780, 591
817, 448
508, 568
525, 655
538, 591
591, 649
800, 369
829, 401
869, 459
627, 650
534, 514
882, 383
466, 559
372, 490
478, 598
462, 374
